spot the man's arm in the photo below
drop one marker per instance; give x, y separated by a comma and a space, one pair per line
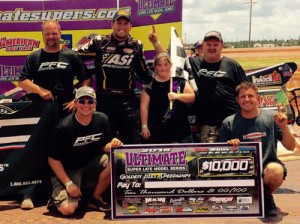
288, 139
61, 174
112, 144
59, 170
153, 38
31, 87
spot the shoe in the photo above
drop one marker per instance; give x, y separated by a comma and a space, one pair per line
270, 206
51, 206
27, 203
99, 204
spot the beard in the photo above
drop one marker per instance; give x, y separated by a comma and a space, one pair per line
52, 43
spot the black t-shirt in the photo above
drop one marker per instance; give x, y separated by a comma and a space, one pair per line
216, 84
76, 145
175, 129
55, 71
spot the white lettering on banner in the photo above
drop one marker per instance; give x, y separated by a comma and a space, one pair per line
67, 15
123, 185
3, 166
130, 177
25, 183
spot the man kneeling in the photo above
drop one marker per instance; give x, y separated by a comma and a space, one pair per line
78, 151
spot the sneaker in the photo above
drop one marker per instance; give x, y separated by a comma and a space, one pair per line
27, 203
99, 204
270, 206
51, 206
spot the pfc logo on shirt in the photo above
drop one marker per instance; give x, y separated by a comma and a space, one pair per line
53, 65
85, 140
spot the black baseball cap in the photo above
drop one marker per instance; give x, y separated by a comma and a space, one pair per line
198, 43
213, 34
122, 14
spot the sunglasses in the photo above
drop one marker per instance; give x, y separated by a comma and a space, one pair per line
83, 101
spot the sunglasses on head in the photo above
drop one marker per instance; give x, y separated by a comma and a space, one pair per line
83, 101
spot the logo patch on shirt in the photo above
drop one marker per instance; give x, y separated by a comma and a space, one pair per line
111, 49
53, 65
85, 140
128, 50
255, 135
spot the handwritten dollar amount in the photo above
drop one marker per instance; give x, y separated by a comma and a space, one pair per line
226, 165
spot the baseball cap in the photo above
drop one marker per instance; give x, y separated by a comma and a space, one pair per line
213, 34
85, 91
122, 14
198, 43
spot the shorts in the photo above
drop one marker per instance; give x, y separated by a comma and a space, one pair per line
83, 176
278, 161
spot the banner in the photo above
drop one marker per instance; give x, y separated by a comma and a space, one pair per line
187, 180
20, 30
24, 129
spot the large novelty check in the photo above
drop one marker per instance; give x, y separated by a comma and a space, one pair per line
187, 180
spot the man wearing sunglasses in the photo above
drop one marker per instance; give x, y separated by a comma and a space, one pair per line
78, 155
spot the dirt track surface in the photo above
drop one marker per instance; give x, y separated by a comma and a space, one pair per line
285, 53
276, 52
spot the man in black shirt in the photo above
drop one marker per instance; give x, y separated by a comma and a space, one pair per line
77, 154
48, 76
216, 77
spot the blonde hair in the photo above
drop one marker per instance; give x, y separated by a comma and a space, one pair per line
163, 55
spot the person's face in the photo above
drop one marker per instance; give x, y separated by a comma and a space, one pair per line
163, 68
51, 35
212, 49
248, 100
199, 51
85, 106
121, 28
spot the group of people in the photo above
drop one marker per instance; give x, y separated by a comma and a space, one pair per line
86, 126
79, 130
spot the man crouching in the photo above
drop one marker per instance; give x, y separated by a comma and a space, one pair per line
78, 152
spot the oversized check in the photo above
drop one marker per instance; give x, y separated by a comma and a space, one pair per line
187, 180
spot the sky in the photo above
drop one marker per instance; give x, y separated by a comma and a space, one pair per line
270, 20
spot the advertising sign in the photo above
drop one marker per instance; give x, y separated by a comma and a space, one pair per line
180, 180
23, 167
273, 96
20, 30
20, 34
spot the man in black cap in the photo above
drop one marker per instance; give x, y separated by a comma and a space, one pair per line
198, 50
119, 63
216, 77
